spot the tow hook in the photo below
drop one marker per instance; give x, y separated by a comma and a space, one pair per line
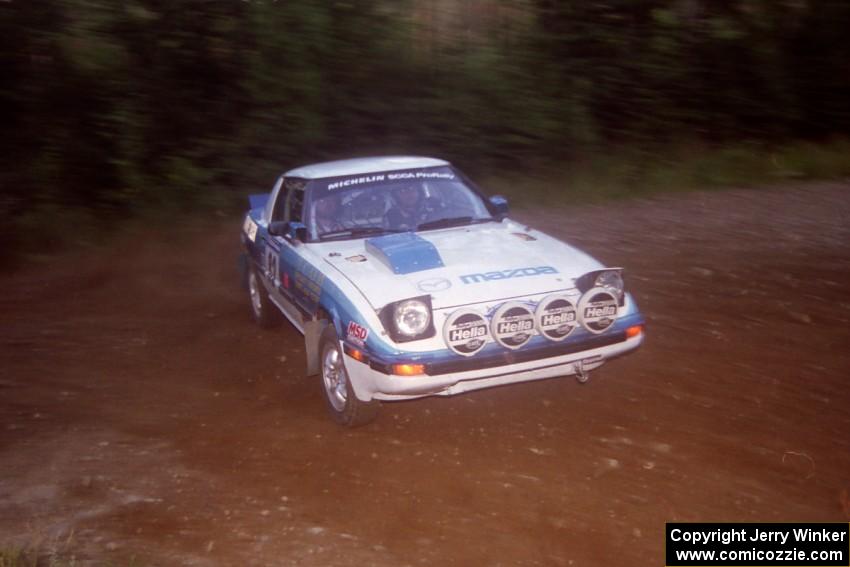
581, 374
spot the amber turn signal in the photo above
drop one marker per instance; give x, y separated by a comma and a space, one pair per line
357, 355
634, 331
408, 369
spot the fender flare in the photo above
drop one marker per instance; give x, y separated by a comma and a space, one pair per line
313, 331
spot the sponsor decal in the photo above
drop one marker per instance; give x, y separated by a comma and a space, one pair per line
308, 282
465, 332
357, 333
355, 181
250, 229
507, 274
421, 175
556, 317
434, 284
512, 325
597, 310
441, 173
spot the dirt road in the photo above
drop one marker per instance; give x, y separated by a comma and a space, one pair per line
143, 415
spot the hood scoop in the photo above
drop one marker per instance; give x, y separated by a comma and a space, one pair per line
404, 253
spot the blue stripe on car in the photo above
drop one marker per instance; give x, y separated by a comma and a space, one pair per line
331, 298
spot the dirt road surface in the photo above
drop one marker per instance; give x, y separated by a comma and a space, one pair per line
142, 415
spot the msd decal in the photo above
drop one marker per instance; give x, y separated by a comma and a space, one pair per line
507, 274
357, 333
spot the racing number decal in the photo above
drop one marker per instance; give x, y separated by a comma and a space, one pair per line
272, 271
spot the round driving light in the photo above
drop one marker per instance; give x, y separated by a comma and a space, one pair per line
597, 309
411, 317
556, 317
512, 325
465, 332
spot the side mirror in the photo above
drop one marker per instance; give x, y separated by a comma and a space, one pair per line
291, 231
278, 228
499, 206
296, 231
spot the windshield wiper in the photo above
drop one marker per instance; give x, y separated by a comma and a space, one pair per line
357, 232
451, 221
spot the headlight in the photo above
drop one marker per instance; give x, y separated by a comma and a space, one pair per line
411, 317
612, 281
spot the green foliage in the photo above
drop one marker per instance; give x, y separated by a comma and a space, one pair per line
115, 107
683, 168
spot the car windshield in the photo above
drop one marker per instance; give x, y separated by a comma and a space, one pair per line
387, 202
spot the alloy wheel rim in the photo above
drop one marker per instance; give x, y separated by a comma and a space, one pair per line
254, 290
335, 379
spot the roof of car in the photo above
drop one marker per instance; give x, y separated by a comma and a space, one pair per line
358, 166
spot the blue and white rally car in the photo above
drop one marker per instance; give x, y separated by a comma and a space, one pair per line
407, 282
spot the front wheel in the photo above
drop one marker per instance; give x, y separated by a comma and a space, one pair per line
265, 313
343, 405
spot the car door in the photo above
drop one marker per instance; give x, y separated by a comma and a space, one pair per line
271, 249
295, 282
267, 250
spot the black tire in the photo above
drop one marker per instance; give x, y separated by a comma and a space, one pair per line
343, 405
265, 313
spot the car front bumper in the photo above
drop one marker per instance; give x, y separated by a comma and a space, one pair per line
457, 376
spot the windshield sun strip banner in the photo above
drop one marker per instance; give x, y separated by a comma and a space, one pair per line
328, 185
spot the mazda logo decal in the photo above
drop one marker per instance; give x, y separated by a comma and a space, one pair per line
434, 284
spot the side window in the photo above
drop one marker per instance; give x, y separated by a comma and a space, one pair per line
296, 205
273, 199
290, 200
295, 190
279, 210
